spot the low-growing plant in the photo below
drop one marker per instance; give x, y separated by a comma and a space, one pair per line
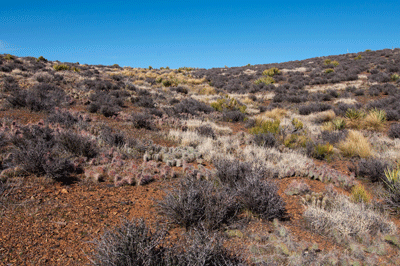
266, 126
394, 131
60, 67
131, 243
323, 151
297, 188
346, 220
298, 125
329, 70
142, 120
271, 72
372, 168
233, 116
41, 58
265, 80
314, 108
394, 77
359, 194
375, 119
77, 144
267, 140
195, 202
261, 198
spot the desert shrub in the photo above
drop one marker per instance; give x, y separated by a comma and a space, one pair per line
204, 248
322, 151
335, 124
42, 97
359, 194
179, 89
266, 80
394, 131
59, 169
109, 110
271, 72
144, 101
394, 77
77, 144
10, 84
44, 77
111, 138
64, 118
235, 172
192, 106
233, 116
329, 70
375, 119
93, 107
297, 188
346, 220
392, 199
342, 108
266, 126
380, 77
265, 140
60, 67
355, 145
156, 112
134, 243
131, 243
261, 198
206, 131
9, 57
142, 120
333, 137
41, 58
313, 108
195, 202
32, 156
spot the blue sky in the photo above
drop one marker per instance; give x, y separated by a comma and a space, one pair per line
189, 33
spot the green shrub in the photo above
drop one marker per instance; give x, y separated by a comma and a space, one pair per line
75, 69
271, 72
297, 124
266, 127
358, 57
228, 103
61, 67
394, 77
150, 67
329, 70
41, 58
338, 123
266, 80
9, 57
358, 194
323, 151
354, 114
335, 63
327, 61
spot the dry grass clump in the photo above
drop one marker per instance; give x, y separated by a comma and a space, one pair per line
192, 124
324, 116
375, 120
277, 113
345, 220
355, 145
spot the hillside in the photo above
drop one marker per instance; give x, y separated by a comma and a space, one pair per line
296, 163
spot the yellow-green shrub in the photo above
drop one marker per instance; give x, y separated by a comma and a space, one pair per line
271, 72
297, 124
359, 194
266, 80
266, 127
61, 67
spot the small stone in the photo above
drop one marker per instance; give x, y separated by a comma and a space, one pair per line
64, 191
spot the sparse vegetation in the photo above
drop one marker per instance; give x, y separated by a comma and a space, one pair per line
204, 156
